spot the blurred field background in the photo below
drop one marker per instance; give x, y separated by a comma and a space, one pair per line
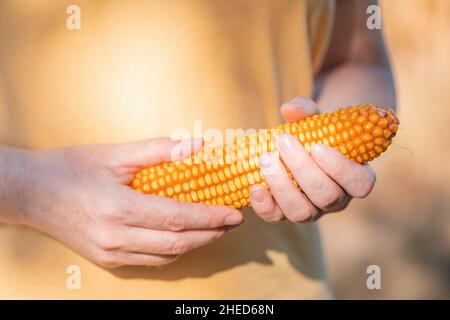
404, 226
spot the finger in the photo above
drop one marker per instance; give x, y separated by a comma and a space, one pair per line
167, 242
264, 205
358, 180
142, 259
298, 109
151, 151
295, 206
323, 192
153, 212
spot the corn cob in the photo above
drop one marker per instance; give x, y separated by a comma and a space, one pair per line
223, 176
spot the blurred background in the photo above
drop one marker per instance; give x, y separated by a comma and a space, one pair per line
404, 225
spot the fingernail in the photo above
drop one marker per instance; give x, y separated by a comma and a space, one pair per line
268, 166
320, 152
265, 160
285, 143
372, 172
233, 220
257, 194
308, 106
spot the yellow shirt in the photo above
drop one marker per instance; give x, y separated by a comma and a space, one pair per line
139, 69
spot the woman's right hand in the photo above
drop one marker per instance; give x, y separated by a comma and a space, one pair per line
79, 196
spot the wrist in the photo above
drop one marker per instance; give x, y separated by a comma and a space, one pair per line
14, 172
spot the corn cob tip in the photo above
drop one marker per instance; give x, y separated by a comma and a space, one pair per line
389, 115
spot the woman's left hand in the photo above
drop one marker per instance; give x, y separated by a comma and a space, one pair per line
327, 178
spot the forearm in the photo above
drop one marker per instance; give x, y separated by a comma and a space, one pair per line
355, 83
13, 164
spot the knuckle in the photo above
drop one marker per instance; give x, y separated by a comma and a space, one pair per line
264, 210
166, 260
215, 220
107, 260
175, 222
179, 246
115, 211
299, 162
107, 210
106, 240
299, 218
114, 216
304, 215
329, 200
269, 213
279, 188
274, 219
298, 165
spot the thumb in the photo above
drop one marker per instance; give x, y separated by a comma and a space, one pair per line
153, 151
298, 108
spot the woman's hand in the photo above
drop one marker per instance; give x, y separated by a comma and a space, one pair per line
79, 196
328, 179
